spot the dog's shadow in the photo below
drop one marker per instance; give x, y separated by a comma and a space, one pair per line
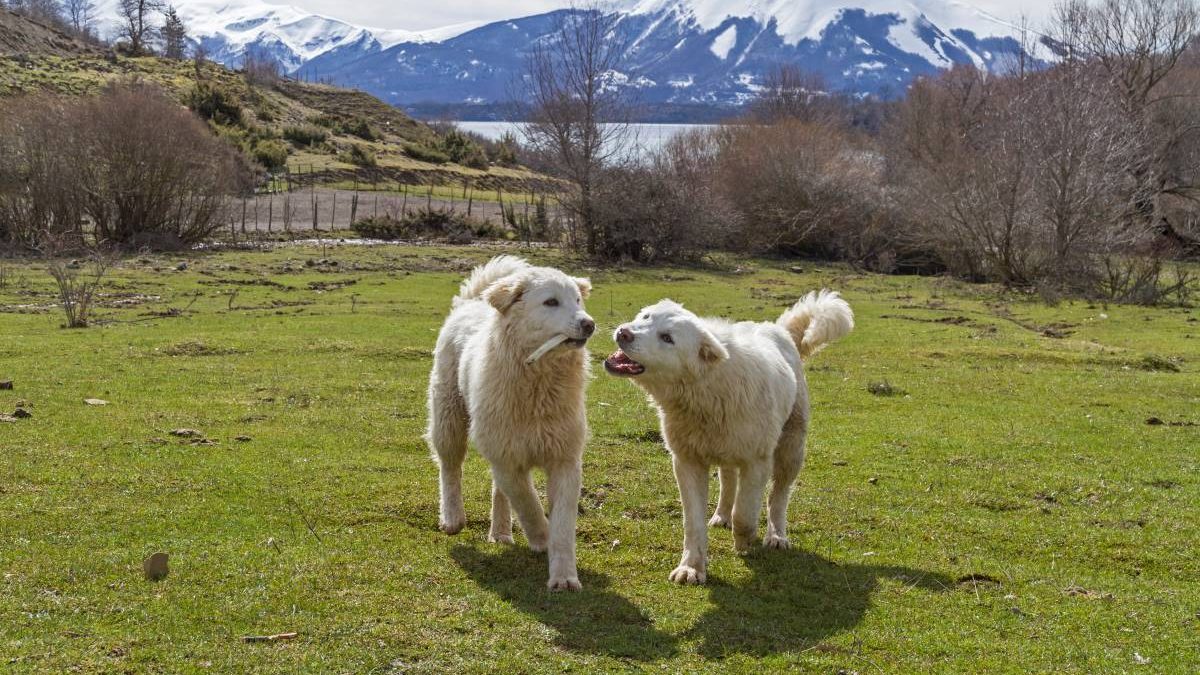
593, 620
793, 600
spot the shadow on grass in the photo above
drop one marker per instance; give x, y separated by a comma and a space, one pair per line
593, 620
794, 600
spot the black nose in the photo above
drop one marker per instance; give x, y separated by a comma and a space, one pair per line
624, 336
588, 326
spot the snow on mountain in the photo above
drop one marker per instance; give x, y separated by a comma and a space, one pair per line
227, 29
688, 52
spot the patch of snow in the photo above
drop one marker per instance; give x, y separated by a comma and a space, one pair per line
683, 83
724, 43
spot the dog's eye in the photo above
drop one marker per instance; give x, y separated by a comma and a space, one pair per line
552, 302
666, 337
645, 317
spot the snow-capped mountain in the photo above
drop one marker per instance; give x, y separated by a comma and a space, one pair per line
708, 52
228, 29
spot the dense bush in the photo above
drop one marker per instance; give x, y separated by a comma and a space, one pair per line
305, 136
213, 103
271, 154
359, 155
455, 227
424, 153
129, 163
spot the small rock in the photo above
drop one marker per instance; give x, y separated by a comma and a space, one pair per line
95, 401
6, 385
1154, 422
798, 270
840, 462
185, 433
155, 566
22, 414
243, 439
181, 267
873, 480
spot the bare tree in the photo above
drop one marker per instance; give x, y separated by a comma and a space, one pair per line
578, 109
81, 15
790, 92
1139, 45
137, 24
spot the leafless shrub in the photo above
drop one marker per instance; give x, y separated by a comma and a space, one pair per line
799, 187
131, 164
261, 68
1144, 280
77, 282
664, 208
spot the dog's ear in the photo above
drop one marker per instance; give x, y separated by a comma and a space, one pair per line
711, 349
585, 287
506, 292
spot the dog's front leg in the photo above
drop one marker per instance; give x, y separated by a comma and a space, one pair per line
692, 477
562, 489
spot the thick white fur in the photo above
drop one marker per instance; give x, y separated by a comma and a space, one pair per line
732, 395
518, 415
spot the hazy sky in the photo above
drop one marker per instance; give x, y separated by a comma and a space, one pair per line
422, 14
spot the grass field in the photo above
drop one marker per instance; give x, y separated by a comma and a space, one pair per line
1008, 508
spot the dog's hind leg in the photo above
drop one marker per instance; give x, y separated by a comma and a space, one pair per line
501, 532
729, 483
517, 486
562, 489
447, 438
789, 459
747, 506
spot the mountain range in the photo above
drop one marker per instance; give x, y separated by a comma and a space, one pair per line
713, 53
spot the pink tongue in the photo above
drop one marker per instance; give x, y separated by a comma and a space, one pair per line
622, 363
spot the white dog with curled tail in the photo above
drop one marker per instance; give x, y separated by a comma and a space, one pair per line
509, 373
731, 395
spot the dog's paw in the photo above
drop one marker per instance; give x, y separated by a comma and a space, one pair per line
744, 546
719, 520
500, 538
774, 541
453, 526
537, 545
685, 574
564, 584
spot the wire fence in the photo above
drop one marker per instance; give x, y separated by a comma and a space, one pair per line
295, 202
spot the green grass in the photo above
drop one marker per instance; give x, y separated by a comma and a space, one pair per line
1022, 459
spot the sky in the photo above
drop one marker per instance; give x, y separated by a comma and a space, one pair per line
425, 14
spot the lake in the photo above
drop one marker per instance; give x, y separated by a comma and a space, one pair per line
646, 137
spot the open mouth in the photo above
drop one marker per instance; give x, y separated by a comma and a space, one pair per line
620, 364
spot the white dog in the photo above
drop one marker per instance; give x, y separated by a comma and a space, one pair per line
509, 372
733, 395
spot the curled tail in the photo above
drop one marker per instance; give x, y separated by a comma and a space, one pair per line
485, 275
816, 320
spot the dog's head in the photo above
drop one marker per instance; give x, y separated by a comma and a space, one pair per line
539, 303
664, 343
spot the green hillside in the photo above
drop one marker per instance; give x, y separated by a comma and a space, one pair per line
325, 129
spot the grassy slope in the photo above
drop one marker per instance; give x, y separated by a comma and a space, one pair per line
34, 58
1013, 455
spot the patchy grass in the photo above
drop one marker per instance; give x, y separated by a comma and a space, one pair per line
1014, 511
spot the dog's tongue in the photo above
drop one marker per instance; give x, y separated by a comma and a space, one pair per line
622, 364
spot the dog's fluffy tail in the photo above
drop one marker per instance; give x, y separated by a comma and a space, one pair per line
485, 275
816, 320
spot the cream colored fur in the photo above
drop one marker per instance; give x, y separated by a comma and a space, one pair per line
732, 395
519, 416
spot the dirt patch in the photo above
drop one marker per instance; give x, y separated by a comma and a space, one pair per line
196, 348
